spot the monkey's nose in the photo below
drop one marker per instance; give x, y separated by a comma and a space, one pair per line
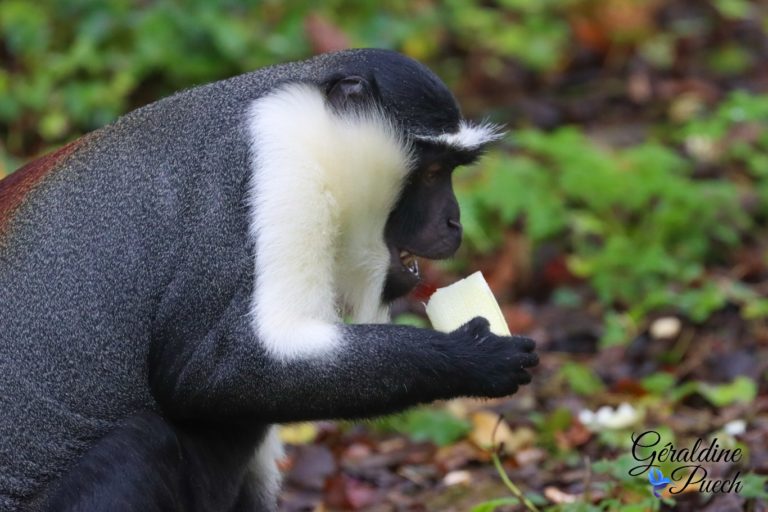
454, 224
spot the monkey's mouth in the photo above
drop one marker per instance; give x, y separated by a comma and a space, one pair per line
403, 274
409, 263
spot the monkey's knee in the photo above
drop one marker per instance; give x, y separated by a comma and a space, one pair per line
137, 466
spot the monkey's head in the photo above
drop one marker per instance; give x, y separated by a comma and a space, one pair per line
425, 221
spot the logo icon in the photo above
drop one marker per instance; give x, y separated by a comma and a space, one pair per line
658, 481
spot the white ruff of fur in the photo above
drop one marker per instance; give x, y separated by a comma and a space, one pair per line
469, 136
264, 464
321, 190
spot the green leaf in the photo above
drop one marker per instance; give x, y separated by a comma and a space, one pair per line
580, 506
25, 28
490, 506
754, 486
733, 8
566, 297
617, 329
683, 390
742, 389
550, 425
659, 383
426, 424
581, 379
756, 309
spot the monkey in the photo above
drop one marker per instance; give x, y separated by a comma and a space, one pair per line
175, 284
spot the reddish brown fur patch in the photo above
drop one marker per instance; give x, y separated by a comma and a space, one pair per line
14, 188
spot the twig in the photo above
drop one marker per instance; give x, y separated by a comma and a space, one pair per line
503, 473
587, 480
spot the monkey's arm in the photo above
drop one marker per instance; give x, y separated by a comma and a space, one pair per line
376, 369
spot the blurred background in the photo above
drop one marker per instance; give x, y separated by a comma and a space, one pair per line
622, 223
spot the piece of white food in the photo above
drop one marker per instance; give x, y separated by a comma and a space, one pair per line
451, 307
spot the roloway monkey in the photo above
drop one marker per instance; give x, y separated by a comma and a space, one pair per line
174, 284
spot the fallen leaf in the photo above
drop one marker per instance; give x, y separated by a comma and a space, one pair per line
559, 497
486, 434
312, 465
345, 492
299, 433
458, 455
529, 456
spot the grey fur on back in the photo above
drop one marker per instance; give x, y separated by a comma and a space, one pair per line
152, 202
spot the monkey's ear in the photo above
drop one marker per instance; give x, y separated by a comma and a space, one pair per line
348, 90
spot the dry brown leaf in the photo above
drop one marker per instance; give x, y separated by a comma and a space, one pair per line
559, 497
487, 435
299, 433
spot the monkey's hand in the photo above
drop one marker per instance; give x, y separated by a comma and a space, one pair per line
490, 365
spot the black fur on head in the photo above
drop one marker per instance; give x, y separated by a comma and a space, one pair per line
407, 91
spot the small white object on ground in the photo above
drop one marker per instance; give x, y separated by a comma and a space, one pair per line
608, 418
735, 427
666, 327
458, 477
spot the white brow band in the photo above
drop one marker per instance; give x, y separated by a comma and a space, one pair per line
469, 136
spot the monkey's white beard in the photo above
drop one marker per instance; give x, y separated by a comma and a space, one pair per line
321, 191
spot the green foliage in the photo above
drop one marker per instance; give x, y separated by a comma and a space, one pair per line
536, 33
490, 506
730, 59
426, 424
742, 389
755, 486
617, 329
74, 66
735, 134
641, 229
581, 379
658, 383
618, 469
733, 8
611, 505
549, 425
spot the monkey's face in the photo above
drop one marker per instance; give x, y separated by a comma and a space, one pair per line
425, 222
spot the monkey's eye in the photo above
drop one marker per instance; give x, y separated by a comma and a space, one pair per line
432, 172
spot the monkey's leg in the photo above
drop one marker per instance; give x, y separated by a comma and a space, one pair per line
137, 466
148, 464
